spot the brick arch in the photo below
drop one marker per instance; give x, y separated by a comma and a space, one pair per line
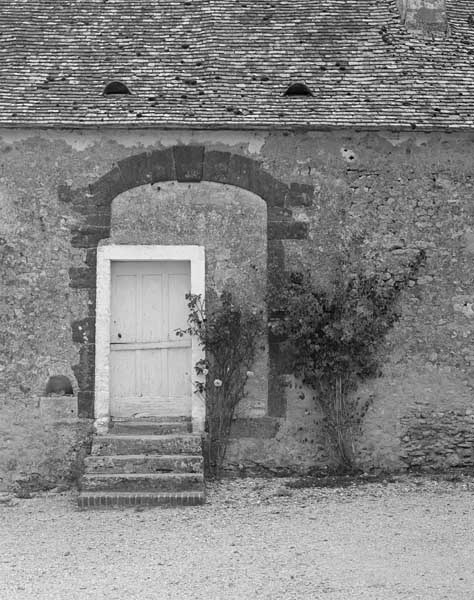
184, 164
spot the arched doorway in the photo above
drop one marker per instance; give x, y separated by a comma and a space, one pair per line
159, 237
184, 164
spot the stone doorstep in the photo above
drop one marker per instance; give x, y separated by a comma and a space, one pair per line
111, 444
143, 419
143, 482
149, 428
144, 463
118, 499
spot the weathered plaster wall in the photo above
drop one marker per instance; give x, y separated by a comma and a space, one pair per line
393, 190
294, 444
36, 309
230, 223
399, 191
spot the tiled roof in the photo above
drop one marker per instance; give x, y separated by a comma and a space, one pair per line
227, 63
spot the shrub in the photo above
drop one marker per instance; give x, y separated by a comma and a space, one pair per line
229, 335
333, 337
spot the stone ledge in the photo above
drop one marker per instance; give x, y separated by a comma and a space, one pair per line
255, 427
58, 409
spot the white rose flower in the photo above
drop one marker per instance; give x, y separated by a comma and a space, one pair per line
205, 371
217, 382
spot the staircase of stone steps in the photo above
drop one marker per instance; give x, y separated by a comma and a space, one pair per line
144, 462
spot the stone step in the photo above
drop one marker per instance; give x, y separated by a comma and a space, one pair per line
110, 444
164, 419
143, 427
88, 500
144, 463
143, 482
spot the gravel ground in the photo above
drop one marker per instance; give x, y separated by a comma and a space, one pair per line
413, 538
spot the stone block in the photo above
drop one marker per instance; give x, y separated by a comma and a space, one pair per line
453, 460
162, 165
277, 403
146, 444
300, 194
85, 404
242, 172
83, 330
188, 162
81, 277
91, 258
99, 217
287, 230
147, 167
91, 302
137, 463
136, 170
65, 193
85, 204
89, 237
276, 259
56, 409
279, 213
84, 370
143, 482
216, 166
273, 191
103, 190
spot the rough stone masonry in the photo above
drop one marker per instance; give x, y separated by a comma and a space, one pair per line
259, 202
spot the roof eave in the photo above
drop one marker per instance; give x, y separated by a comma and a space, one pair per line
232, 126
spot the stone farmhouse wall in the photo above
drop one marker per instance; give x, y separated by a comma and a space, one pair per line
259, 202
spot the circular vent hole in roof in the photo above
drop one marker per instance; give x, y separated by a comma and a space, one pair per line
116, 87
298, 89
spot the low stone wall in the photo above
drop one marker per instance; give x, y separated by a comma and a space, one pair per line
43, 443
436, 440
278, 446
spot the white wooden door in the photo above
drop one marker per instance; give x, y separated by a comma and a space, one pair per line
150, 366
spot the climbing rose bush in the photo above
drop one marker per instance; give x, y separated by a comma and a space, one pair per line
229, 335
333, 338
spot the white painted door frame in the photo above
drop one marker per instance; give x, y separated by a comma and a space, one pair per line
106, 253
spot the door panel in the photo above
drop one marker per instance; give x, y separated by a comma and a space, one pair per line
150, 367
177, 310
152, 320
123, 373
154, 373
178, 370
124, 308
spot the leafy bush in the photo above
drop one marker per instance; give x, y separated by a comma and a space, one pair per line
333, 338
228, 334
